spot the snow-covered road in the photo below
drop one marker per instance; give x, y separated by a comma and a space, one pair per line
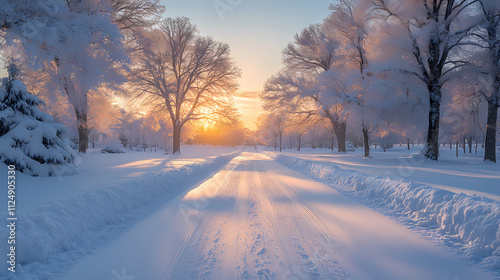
257, 219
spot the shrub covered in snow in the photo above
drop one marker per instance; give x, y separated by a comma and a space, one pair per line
29, 138
113, 147
350, 146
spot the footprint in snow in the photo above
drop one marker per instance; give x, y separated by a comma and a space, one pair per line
262, 251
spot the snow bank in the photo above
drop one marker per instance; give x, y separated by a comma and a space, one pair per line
471, 222
74, 223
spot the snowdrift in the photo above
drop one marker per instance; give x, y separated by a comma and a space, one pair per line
468, 222
72, 226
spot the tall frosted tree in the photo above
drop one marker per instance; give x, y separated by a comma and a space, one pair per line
190, 76
312, 53
489, 35
348, 22
78, 43
429, 33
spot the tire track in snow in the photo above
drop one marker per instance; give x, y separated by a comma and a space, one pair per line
330, 245
214, 183
239, 251
311, 251
261, 231
261, 253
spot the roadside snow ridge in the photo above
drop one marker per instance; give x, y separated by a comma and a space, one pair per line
470, 222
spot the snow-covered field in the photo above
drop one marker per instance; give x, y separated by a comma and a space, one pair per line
217, 213
62, 219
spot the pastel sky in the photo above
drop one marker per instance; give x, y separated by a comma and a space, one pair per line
257, 31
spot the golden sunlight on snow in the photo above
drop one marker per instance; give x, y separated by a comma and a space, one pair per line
142, 163
168, 164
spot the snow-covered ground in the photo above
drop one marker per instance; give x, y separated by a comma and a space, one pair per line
213, 213
468, 173
455, 200
471, 223
62, 219
257, 219
98, 170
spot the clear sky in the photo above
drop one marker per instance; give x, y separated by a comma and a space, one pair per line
256, 30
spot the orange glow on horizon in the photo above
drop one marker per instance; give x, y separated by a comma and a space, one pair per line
249, 105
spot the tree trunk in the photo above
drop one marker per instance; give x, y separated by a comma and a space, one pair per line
408, 142
491, 131
177, 139
281, 137
366, 144
432, 149
464, 145
456, 145
83, 133
339, 128
80, 106
470, 144
490, 141
340, 132
300, 142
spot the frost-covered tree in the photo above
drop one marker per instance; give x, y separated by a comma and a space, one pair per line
312, 53
128, 128
300, 124
428, 35
30, 139
79, 43
270, 127
275, 123
192, 77
464, 108
489, 35
348, 21
76, 42
133, 17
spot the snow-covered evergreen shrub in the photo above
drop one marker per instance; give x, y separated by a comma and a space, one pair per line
113, 147
29, 138
350, 146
